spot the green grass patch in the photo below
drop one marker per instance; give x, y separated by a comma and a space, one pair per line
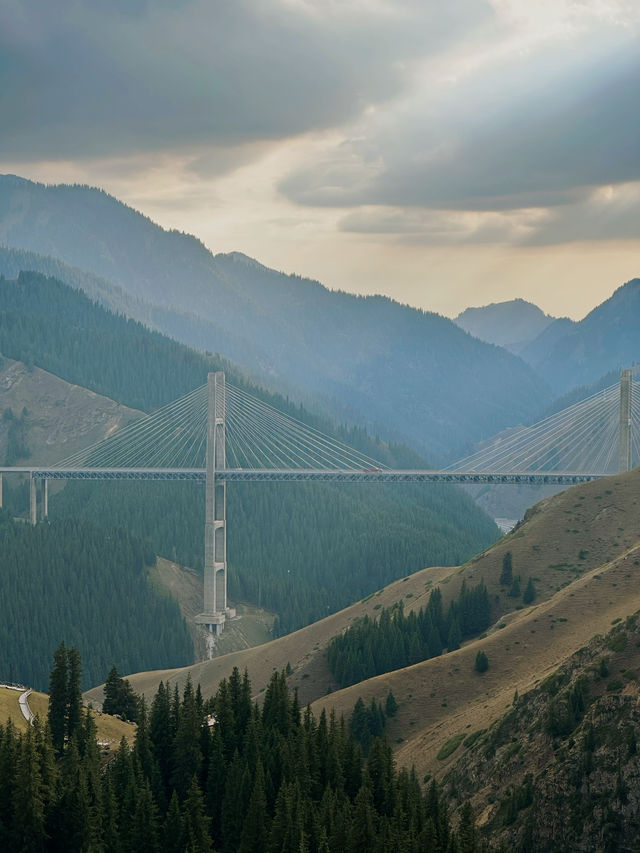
450, 746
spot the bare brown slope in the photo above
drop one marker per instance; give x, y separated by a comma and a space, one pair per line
445, 696
564, 539
63, 418
251, 627
304, 650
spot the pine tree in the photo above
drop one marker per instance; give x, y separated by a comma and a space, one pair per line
144, 826
455, 636
160, 730
29, 806
195, 821
187, 755
506, 576
391, 706
254, 828
529, 593
58, 685
74, 691
482, 662
172, 841
363, 828
514, 592
119, 697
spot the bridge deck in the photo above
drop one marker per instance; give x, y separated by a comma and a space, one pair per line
563, 478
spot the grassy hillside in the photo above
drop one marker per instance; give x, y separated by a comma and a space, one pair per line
110, 730
61, 417
583, 549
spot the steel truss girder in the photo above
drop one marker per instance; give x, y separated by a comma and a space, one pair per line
561, 478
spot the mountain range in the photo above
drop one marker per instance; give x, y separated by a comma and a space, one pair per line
403, 373
512, 325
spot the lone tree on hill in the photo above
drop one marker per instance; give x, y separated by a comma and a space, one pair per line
482, 662
514, 592
119, 697
529, 593
506, 576
391, 705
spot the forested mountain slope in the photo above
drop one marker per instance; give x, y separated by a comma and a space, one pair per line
300, 549
607, 339
406, 373
69, 580
291, 546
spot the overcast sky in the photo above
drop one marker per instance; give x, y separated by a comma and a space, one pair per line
446, 153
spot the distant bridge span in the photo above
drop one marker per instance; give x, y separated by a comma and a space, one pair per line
557, 478
220, 433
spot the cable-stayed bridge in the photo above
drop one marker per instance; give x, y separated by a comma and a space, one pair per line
219, 433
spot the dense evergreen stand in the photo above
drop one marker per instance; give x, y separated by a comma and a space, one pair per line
262, 779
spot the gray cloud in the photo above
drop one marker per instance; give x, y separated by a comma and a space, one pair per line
612, 213
100, 78
542, 133
609, 213
443, 227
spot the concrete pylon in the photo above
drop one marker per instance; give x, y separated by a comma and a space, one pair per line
215, 524
624, 430
33, 500
45, 498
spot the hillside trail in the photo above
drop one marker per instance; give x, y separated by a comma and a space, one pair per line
23, 701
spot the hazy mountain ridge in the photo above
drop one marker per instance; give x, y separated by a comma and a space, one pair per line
512, 324
607, 339
538, 349
409, 374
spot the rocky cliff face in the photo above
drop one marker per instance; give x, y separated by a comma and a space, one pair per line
561, 770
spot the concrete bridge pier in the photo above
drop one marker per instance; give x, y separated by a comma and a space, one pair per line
215, 610
33, 500
624, 431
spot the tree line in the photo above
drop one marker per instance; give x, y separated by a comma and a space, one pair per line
261, 779
396, 639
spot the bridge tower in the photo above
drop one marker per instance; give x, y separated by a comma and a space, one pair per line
215, 525
624, 434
